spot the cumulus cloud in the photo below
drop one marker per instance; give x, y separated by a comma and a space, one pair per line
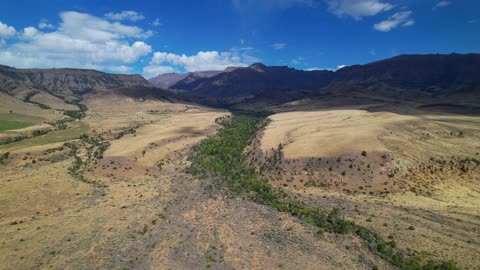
402, 18
30, 32
279, 46
441, 4
81, 41
43, 24
129, 15
6, 31
209, 60
358, 9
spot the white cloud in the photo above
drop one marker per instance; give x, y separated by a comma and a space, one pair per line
157, 23
209, 60
155, 70
6, 31
43, 24
279, 46
30, 32
441, 4
402, 18
125, 15
85, 26
81, 41
358, 8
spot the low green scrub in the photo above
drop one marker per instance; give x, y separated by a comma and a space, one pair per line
74, 114
221, 157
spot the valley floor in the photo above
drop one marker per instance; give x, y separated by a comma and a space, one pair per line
121, 198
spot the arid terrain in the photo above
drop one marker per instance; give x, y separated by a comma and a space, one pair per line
363, 172
413, 176
136, 207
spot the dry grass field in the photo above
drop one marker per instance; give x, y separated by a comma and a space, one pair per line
112, 190
120, 198
412, 176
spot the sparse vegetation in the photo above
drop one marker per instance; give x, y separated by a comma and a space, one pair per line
222, 158
4, 157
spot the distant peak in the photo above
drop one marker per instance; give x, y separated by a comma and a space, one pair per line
258, 67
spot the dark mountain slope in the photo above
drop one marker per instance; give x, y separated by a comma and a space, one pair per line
254, 80
431, 73
424, 79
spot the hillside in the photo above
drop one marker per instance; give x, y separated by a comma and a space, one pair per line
62, 82
428, 79
170, 79
166, 80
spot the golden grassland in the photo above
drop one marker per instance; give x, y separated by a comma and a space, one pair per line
121, 197
406, 175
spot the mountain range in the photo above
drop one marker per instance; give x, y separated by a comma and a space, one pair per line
451, 78
426, 80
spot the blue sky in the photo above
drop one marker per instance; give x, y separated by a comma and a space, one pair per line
153, 37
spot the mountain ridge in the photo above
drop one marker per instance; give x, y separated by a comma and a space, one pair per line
63, 82
426, 78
